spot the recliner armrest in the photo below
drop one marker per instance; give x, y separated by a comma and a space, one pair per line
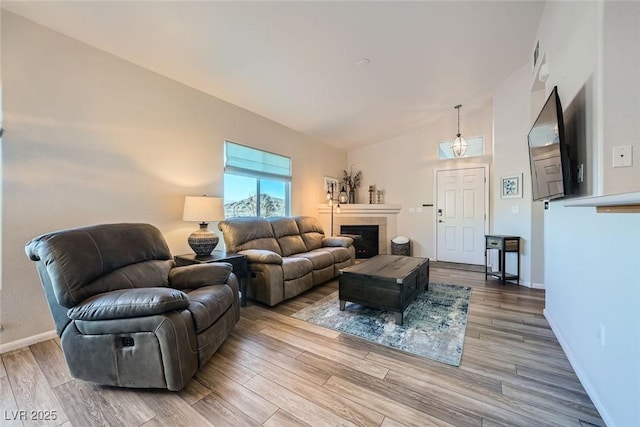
262, 256
338, 241
199, 275
125, 303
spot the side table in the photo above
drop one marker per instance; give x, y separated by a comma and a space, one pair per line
238, 261
503, 244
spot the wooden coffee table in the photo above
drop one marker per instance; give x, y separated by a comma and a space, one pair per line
386, 282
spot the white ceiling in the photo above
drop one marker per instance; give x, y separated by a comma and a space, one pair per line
297, 62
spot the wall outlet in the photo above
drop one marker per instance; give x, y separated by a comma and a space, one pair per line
622, 156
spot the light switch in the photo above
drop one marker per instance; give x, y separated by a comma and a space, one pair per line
515, 209
419, 210
622, 156
412, 210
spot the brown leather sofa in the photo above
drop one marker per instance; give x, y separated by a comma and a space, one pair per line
126, 316
286, 255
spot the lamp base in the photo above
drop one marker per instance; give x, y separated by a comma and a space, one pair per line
203, 241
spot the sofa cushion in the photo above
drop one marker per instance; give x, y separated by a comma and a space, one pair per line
339, 254
293, 267
126, 303
147, 274
208, 303
318, 258
288, 235
248, 233
311, 231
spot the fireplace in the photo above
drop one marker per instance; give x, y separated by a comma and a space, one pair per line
384, 216
365, 240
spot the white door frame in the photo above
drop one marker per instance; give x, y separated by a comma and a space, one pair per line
487, 208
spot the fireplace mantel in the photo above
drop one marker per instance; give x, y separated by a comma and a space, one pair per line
361, 209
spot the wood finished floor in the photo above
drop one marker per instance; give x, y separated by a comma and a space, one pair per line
275, 370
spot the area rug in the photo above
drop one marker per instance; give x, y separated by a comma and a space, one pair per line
434, 324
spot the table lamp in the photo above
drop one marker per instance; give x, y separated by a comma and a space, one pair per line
203, 209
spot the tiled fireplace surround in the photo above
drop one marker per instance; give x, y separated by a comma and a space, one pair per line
385, 216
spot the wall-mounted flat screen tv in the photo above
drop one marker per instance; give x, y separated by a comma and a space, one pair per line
549, 153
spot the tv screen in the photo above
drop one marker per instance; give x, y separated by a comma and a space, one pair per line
548, 152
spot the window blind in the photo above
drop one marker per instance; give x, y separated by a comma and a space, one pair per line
253, 162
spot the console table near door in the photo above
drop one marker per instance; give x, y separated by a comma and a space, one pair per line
502, 244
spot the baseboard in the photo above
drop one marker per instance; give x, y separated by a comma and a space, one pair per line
582, 376
530, 285
519, 283
537, 285
527, 284
25, 342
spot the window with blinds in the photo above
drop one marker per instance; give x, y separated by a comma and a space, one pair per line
256, 182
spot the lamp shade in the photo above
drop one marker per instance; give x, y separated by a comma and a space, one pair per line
203, 209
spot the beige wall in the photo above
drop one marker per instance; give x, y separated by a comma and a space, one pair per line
404, 167
512, 121
92, 139
620, 93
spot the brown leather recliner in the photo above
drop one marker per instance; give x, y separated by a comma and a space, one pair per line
125, 314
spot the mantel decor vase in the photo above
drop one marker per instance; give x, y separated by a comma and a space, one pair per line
352, 181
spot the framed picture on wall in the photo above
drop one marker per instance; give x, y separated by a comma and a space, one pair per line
332, 185
511, 187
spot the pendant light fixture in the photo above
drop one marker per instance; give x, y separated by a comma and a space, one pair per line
459, 145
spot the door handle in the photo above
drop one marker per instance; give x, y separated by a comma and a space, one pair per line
440, 220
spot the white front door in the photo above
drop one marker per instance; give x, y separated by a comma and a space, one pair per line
460, 215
